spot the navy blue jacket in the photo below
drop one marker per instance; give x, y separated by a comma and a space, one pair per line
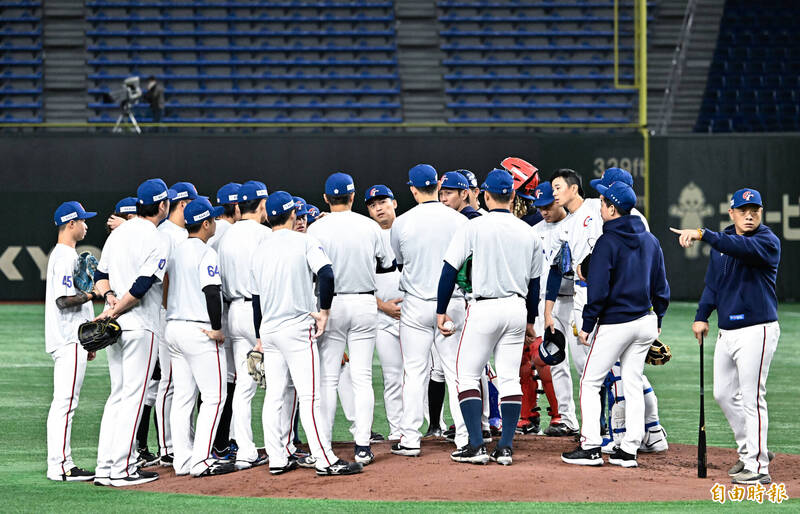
740, 280
470, 212
626, 275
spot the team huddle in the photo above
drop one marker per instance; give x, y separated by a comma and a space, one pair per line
263, 289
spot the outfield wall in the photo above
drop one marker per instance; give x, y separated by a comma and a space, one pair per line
40, 171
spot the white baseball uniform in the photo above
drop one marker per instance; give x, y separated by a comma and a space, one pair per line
222, 226
173, 235
562, 317
282, 272
355, 246
387, 343
506, 256
69, 357
134, 249
198, 363
419, 239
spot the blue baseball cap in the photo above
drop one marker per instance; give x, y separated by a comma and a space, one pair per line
378, 191
339, 184
543, 195
184, 191
471, 178
252, 190
300, 206
199, 210
619, 194
126, 206
229, 193
612, 175
454, 180
745, 196
422, 175
151, 191
498, 182
68, 211
313, 213
279, 202
172, 194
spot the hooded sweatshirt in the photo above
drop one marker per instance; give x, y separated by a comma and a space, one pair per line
740, 280
626, 275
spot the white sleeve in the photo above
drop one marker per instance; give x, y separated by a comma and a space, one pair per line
315, 255
209, 269
460, 247
385, 255
394, 241
102, 264
62, 281
155, 263
637, 212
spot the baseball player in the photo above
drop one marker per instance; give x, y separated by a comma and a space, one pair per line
301, 224
235, 253
225, 446
124, 210
134, 258
287, 326
419, 239
313, 214
356, 248
505, 292
740, 285
628, 296
195, 339
382, 206
65, 308
563, 421
474, 190
454, 192
174, 232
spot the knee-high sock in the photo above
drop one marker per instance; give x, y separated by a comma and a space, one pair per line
144, 427
472, 410
435, 402
509, 410
223, 436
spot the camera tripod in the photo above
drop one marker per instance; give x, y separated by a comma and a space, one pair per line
126, 112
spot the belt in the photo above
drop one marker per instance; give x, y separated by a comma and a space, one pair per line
360, 292
581, 283
242, 298
482, 298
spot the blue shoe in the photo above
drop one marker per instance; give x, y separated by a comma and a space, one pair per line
226, 454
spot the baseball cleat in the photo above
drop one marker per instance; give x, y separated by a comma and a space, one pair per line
747, 477
655, 440
364, 455
102, 481
471, 455
260, 460
75, 474
434, 432
341, 467
559, 430
166, 460
623, 458
581, 457
376, 438
610, 447
528, 427
219, 467
739, 466
291, 465
399, 449
307, 462
450, 434
146, 459
501, 456
299, 454
138, 478
226, 453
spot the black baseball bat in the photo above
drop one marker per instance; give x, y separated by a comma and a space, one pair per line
701, 435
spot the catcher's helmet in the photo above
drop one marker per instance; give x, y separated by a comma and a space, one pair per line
553, 348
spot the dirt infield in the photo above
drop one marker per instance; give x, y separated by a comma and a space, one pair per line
537, 475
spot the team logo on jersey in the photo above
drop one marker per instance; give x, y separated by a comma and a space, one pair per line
586, 221
747, 195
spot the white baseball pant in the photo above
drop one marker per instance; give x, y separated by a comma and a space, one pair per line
166, 390
346, 396
69, 368
198, 365
578, 351
627, 342
292, 353
130, 366
352, 323
418, 333
390, 354
741, 365
242, 336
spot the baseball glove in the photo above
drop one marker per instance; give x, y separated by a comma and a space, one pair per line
658, 354
96, 335
83, 273
464, 277
255, 368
